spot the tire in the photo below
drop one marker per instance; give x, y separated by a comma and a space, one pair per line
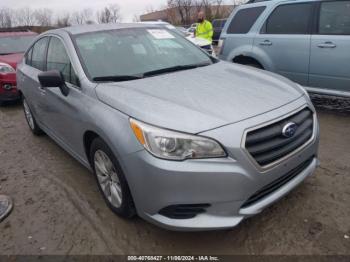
33, 126
111, 180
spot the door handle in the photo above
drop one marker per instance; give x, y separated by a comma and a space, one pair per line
266, 43
42, 90
327, 45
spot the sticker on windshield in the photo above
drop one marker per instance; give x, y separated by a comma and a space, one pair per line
160, 34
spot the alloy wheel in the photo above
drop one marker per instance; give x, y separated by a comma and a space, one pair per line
108, 178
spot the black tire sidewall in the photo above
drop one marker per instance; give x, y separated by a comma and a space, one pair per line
127, 208
37, 130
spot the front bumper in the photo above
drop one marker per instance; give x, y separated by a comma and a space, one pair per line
11, 94
225, 183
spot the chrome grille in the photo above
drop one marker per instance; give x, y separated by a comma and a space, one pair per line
268, 144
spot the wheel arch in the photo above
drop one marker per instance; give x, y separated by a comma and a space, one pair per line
88, 138
246, 60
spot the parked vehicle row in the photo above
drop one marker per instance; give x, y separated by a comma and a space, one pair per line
172, 134
307, 41
218, 25
12, 46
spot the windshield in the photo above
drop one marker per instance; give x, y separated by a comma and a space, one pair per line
136, 52
15, 44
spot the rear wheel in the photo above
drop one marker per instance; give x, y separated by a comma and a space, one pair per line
111, 179
36, 130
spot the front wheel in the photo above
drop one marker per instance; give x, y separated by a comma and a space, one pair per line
36, 130
111, 179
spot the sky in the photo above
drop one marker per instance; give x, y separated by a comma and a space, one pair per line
129, 8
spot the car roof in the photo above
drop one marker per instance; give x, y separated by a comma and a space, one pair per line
16, 33
82, 29
273, 2
153, 23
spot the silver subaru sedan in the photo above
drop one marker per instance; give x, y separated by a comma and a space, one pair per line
172, 134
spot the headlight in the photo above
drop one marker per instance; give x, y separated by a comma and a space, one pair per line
5, 69
173, 145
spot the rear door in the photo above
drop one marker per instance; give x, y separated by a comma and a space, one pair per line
330, 47
238, 33
284, 41
35, 63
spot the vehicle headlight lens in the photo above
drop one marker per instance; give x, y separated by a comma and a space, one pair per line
5, 69
174, 145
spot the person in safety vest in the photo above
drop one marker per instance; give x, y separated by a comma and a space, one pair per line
204, 30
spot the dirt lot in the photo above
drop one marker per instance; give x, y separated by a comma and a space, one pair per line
58, 209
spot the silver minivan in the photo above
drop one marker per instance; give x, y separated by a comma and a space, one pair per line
307, 41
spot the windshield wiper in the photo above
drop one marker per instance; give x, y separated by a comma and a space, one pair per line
116, 78
120, 78
173, 69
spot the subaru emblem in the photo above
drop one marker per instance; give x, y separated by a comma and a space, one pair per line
289, 129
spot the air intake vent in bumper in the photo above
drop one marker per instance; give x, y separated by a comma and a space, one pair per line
183, 211
270, 188
268, 144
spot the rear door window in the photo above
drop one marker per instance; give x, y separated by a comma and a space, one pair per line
290, 19
334, 18
38, 60
244, 19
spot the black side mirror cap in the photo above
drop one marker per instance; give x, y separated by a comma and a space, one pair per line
53, 78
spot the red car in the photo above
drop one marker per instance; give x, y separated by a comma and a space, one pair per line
13, 44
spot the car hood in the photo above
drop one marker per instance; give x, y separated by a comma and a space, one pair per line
200, 99
11, 59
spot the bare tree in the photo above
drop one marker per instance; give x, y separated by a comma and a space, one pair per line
183, 7
24, 17
238, 2
43, 17
218, 8
109, 14
82, 17
6, 17
136, 19
63, 20
149, 9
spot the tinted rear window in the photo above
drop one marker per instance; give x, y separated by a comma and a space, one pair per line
244, 19
335, 18
290, 19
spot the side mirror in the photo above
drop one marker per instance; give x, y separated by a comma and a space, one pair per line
53, 78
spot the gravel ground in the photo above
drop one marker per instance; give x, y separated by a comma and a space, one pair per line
58, 209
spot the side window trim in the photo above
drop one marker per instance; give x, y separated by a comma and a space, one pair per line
28, 56
71, 67
31, 50
311, 25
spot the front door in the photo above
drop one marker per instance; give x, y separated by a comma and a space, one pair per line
62, 112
